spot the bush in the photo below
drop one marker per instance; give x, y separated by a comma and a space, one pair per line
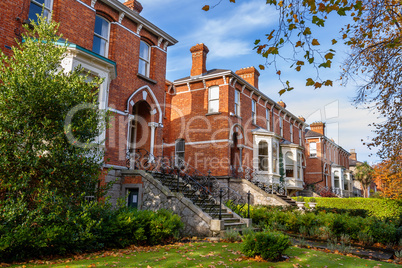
92, 226
268, 245
381, 208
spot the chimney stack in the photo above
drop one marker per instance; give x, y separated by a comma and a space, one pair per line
318, 127
353, 154
250, 75
302, 118
133, 5
199, 53
282, 104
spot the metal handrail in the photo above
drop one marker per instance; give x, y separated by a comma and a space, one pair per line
204, 190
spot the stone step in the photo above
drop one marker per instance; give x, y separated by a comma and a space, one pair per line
237, 226
231, 220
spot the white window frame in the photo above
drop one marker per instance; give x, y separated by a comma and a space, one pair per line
177, 152
291, 132
211, 100
313, 149
146, 61
237, 103
48, 9
253, 111
104, 38
263, 158
268, 118
299, 165
300, 137
281, 125
275, 157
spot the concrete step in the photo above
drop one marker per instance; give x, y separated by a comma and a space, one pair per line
237, 226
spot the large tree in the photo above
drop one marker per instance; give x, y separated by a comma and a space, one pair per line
364, 174
388, 180
372, 31
39, 165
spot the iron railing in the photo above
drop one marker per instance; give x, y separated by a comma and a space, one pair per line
203, 190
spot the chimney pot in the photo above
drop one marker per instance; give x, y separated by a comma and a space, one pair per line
282, 104
134, 5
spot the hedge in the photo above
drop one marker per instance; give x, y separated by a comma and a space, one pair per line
380, 208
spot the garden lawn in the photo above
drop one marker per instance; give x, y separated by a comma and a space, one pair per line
204, 254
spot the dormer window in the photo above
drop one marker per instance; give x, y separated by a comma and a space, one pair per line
36, 8
101, 36
145, 55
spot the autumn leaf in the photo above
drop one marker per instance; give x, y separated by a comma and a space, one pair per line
278, 72
205, 8
262, 67
310, 82
315, 42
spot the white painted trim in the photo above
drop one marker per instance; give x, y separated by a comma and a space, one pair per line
82, 3
153, 97
197, 142
117, 111
159, 49
127, 29
114, 166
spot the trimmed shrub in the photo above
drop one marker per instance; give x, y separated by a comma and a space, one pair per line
268, 245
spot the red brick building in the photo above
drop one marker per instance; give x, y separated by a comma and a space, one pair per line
113, 41
327, 163
220, 121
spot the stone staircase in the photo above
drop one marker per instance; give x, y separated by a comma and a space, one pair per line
288, 200
206, 203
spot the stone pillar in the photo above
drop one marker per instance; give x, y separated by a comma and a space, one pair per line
153, 126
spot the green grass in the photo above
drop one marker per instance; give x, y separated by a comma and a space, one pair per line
204, 254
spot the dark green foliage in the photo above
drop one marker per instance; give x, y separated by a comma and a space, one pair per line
91, 226
268, 245
327, 224
385, 209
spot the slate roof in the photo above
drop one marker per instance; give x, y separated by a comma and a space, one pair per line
213, 71
310, 133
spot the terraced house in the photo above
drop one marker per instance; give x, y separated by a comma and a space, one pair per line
221, 122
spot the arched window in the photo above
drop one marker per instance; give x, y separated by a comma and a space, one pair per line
275, 157
263, 156
35, 9
145, 55
101, 36
336, 179
179, 152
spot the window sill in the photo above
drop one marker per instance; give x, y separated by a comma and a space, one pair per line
212, 113
146, 78
255, 125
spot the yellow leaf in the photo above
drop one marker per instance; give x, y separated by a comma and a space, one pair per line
298, 44
298, 68
232, 1
300, 62
205, 8
334, 41
262, 67
317, 85
280, 3
315, 42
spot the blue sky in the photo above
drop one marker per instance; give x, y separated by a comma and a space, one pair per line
229, 31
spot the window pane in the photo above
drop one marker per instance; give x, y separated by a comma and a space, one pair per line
143, 68
47, 3
214, 93
33, 10
213, 106
102, 27
99, 46
144, 50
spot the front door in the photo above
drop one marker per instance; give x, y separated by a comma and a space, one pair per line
133, 198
